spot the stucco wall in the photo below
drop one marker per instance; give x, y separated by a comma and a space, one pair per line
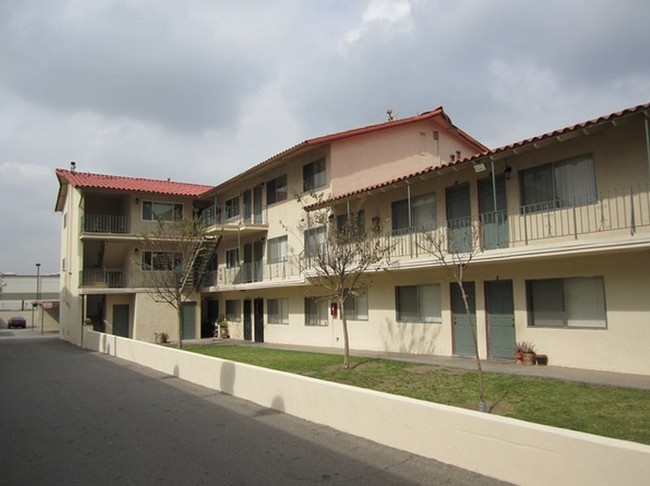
507, 449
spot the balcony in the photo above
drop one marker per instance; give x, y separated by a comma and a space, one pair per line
612, 213
104, 223
102, 279
245, 219
255, 272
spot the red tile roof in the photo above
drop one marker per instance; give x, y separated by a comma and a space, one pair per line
312, 143
130, 184
487, 153
565, 130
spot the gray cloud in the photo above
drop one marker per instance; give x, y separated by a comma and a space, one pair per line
202, 89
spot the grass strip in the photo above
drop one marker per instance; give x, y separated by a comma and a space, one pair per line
608, 411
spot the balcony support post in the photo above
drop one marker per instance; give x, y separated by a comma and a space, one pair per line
632, 220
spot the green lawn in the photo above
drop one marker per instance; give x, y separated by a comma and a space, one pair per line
608, 411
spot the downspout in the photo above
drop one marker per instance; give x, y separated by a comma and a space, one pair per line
647, 141
494, 188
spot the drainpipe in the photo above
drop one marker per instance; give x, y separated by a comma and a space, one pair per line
408, 202
647, 141
494, 188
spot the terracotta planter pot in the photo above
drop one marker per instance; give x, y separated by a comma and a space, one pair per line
529, 359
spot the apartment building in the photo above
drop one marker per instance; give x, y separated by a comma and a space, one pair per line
561, 221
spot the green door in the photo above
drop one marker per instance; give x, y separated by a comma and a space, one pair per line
189, 320
121, 320
462, 331
494, 220
501, 319
459, 219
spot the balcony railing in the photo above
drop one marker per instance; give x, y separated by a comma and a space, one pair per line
621, 212
102, 279
104, 223
618, 213
261, 271
225, 215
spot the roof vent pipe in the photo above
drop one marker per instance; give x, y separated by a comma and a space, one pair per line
73, 166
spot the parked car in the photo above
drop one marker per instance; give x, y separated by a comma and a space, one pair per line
17, 322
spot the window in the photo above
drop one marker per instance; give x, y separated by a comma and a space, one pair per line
232, 258
356, 306
418, 303
567, 302
558, 185
423, 213
153, 211
313, 175
232, 310
232, 208
315, 242
276, 250
357, 225
316, 311
276, 190
278, 311
160, 260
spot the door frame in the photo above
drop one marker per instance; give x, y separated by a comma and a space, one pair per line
489, 330
258, 313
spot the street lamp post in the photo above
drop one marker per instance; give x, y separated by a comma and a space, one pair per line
38, 291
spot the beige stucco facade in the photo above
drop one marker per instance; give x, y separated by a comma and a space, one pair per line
599, 240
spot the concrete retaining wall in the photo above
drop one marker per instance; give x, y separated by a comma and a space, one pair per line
504, 448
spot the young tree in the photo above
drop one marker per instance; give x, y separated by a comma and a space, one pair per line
455, 246
174, 259
339, 254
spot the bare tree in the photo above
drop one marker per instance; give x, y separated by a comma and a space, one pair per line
2, 283
174, 260
455, 246
340, 256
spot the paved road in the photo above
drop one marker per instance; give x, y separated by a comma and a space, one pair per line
70, 416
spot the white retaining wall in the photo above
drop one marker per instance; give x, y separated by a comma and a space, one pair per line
507, 449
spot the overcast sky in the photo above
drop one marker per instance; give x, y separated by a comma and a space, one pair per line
199, 90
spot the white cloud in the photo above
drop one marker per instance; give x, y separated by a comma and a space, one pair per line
392, 15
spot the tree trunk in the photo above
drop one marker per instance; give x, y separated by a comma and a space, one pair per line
346, 338
180, 324
481, 390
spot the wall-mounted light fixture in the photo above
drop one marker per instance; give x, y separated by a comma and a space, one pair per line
137, 251
480, 167
137, 200
507, 173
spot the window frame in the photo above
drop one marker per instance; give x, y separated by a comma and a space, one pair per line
149, 206
230, 263
397, 209
418, 316
275, 192
315, 319
283, 254
154, 261
232, 208
555, 200
281, 317
564, 287
353, 303
314, 174
317, 246
230, 315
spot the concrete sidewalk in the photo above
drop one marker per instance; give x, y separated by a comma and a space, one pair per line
491, 365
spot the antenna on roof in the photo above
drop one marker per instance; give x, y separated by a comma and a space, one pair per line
391, 114
73, 166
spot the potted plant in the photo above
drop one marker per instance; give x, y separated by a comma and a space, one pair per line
221, 330
525, 353
162, 337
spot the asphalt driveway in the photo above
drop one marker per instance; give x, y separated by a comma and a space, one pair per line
70, 416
